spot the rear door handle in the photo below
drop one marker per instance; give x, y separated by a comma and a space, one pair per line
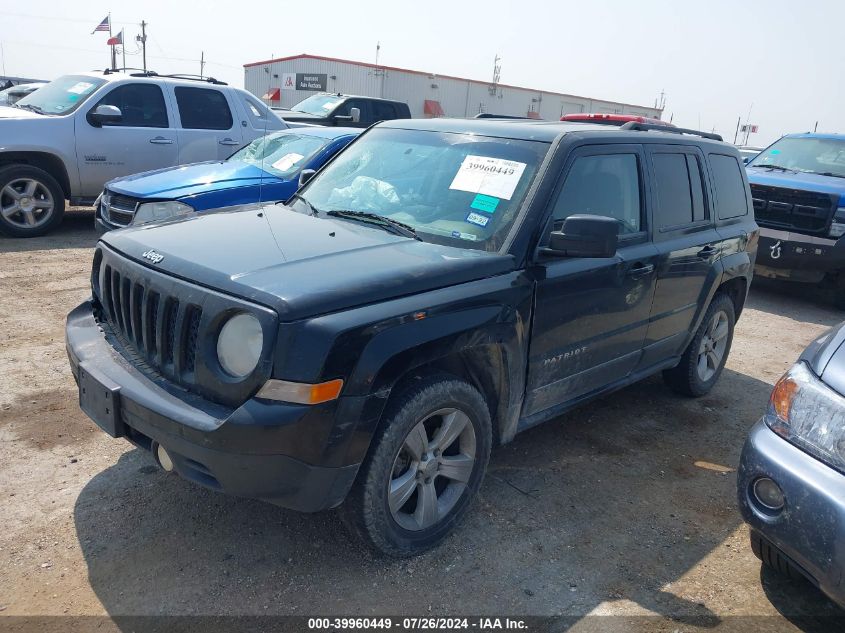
228, 141
160, 140
708, 251
641, 270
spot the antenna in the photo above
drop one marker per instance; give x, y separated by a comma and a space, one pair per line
202, 63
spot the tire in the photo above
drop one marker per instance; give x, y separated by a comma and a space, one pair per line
689, 377
772, 557
838, 292
402, 457
31, 201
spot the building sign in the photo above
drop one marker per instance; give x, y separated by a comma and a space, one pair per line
288, 81
310, 81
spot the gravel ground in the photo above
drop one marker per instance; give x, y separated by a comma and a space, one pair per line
624, 507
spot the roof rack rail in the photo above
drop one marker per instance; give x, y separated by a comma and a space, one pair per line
141, 73
645, 127
210, 80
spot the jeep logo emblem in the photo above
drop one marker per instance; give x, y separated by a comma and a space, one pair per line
154, 257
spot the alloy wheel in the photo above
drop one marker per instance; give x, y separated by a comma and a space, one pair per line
713, 346
26, 203
431, 469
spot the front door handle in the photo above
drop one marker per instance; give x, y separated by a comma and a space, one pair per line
160, 140
707, 251
228, 141
640, 270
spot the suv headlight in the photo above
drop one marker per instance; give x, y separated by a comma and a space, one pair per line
239, 345
157, 211
809, 414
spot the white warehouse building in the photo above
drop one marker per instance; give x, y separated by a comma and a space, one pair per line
288, 80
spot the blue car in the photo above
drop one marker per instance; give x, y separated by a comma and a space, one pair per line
266, 169
791, 478
798, 187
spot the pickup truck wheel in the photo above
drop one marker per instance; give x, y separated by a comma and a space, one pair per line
425, 468
704, 358
31, 201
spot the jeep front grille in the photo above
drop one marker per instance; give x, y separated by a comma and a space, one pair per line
160, 328
795, 210
167, 326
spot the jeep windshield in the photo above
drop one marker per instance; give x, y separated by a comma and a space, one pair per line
811, 155
282, 153
61, 96
462, 190
318, 105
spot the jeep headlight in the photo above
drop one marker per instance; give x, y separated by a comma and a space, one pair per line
809, 414
239, 345
157, 211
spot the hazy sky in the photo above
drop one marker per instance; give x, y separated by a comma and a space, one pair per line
713, 59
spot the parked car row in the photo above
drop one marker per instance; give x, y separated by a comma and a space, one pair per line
394, 307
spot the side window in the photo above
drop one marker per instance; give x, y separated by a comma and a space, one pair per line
674, 191
203, 109
345, 108
255, 112
382, 111
731, 199
142, 105
606, 185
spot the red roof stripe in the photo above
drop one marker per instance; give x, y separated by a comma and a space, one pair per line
420, 72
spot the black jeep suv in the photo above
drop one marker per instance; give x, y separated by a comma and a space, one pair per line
345, 110
438, 287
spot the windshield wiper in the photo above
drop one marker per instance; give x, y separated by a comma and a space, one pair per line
829, 173
780, 167
388, 224
30, 107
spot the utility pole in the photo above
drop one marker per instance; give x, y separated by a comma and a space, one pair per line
142, 38
202, 63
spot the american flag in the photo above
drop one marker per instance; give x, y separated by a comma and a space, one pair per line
103, 26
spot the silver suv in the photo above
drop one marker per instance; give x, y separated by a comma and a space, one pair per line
66, 140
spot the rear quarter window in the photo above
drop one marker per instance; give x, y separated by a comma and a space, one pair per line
731, 196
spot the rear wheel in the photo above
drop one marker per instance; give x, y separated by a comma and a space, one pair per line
705, 357
424, 470
31, 201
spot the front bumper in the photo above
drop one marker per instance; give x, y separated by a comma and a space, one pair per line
798, 257
810, 529
299, 457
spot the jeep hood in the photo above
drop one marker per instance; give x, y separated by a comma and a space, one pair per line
189, 180
301, 265
796, 180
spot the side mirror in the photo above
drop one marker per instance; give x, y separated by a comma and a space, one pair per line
585, 236
746, 160
104, 115
305, 175
356, 114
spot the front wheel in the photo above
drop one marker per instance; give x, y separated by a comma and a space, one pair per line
31, 201
424, 470
705, 357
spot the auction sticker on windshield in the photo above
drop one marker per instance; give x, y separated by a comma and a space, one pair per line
80, 88
287, 161
488, 176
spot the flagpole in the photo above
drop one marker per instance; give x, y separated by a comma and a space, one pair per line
123, 46
113, 58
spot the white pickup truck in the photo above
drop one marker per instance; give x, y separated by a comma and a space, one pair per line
66, 140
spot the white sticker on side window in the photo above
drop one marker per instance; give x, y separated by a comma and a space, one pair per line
287, 161
488, 176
